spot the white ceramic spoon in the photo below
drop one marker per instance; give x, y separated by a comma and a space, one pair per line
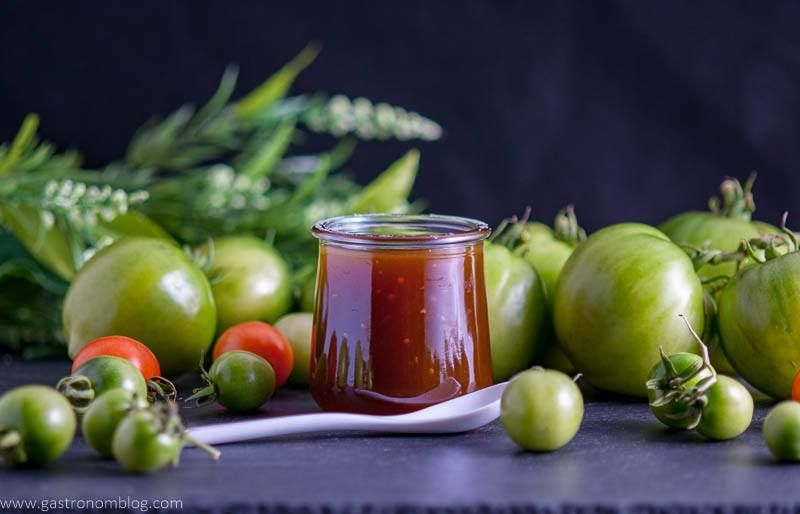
460, 414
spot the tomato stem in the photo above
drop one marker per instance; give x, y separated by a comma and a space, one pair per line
789, 233
734, 200
566, 228
203, 395
160, 389
510, 230
170, 423
78, 390
671, 389
11, 447
210, 450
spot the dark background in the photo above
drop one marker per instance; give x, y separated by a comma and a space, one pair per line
631, 110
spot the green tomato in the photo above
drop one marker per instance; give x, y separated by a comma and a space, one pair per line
146, 289
101, 419
250, 280
758, 310
617, 301
728, 412
37, 425
517, 310
720, 233
109, 373
541, 410
547, 254
676, 415
242, 381
141, 445
782, 431
297, 327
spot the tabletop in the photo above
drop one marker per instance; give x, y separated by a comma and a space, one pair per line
622, 460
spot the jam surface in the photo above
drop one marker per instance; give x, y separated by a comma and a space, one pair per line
397, 330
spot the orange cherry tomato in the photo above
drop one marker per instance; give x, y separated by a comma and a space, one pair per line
262, 339
120, 346
796, 387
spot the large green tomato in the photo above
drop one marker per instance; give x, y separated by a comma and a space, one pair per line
618, 300
250, 280
723, 227
758, 313
517, 310
146, 289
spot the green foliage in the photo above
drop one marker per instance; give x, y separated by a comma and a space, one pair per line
196, 174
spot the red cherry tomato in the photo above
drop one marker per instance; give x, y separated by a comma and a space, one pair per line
262, 339
120, 346
796, 387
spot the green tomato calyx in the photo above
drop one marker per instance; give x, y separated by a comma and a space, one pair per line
208, 393
512, 231
78, 390
672, 389
566, 228
12, 448
160, 389
734, 200
767, 247
759, 249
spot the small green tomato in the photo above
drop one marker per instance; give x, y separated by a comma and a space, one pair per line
104, 415
141, 443
149, 439
240, 381
541, 410
679, 373
297, 329
98, 376
37, 425
782, 431
728, 412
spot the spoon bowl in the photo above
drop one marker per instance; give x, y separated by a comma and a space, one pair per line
460, 414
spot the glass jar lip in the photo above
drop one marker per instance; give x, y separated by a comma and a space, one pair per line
423, 230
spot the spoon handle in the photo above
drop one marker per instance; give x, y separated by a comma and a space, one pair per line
221, 433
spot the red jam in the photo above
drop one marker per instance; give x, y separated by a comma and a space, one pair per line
400, 320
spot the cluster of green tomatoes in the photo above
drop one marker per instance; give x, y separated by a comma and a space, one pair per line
128, 411
608, 305
166, 307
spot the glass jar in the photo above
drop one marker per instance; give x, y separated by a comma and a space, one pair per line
400, 321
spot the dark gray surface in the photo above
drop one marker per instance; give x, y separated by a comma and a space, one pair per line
622, 460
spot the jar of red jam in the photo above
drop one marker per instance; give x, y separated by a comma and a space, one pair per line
400, 320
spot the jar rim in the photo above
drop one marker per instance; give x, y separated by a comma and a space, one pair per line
401, 230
